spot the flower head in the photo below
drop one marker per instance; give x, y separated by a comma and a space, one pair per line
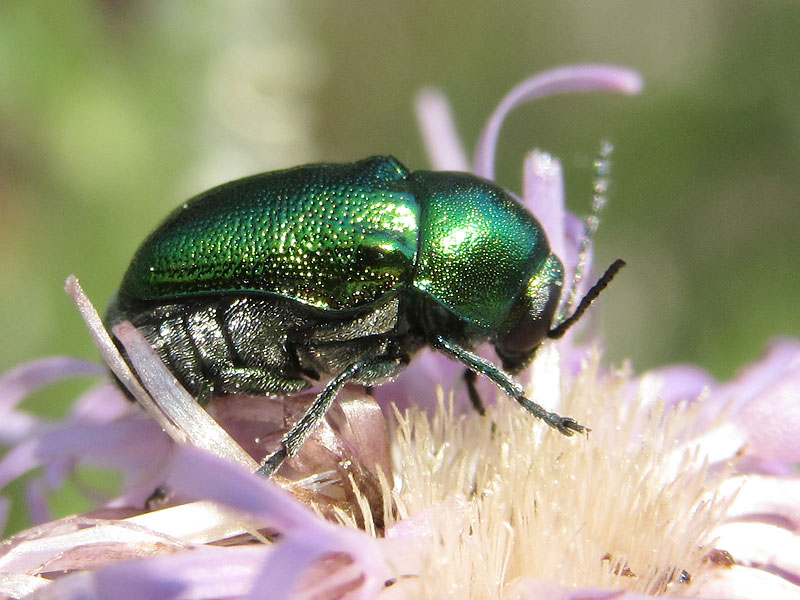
684, 486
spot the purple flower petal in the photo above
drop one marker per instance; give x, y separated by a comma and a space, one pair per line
681, 383
101, 404
764, 399
745, 582
134, 445
22, 381
306, 536
765, 498
175, 403
543, 195
782, 360
439, 134
36, 495
773, 421
18, 585
16, 426
417, 384
575, 78
204, 573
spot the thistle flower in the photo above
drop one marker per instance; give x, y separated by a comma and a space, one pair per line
684, 486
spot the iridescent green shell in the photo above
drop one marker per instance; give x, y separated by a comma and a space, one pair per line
333, 236
479, 248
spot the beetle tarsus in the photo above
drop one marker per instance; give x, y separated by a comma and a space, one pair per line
481, 366
569, 426
273, 462
565, 425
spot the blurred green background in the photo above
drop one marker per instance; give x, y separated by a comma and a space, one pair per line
112, 113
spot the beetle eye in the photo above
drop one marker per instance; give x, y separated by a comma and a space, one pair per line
529, 320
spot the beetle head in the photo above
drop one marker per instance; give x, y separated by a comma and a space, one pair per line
531, 316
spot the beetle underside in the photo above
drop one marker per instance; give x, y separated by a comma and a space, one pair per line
267, 345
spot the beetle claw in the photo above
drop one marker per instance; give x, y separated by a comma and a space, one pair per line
567, 425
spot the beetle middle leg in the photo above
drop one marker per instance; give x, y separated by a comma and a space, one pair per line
470, 377
301, 430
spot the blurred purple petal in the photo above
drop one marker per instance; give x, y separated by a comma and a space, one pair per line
305, 534
132, 445
15, 426
764, 400
191, 472
543, 195
575, 78
176, 411
772, 419
768, 547
439, 134
782, 360
24, 380
36, 495
101, 404
765, 498
681, 383
737, 581
204, 573
17, 585
283, 571
17, 461
417, 384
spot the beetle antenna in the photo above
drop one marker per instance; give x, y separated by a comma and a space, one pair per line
560, 329
602, 171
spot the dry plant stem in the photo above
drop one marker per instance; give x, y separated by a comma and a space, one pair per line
181, 417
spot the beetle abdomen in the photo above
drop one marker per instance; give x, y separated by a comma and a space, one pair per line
333, 236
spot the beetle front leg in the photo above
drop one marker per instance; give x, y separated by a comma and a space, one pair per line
510, 387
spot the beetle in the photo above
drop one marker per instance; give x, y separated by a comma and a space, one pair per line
268, 284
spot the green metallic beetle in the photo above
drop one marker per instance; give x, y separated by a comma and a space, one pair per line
269, 283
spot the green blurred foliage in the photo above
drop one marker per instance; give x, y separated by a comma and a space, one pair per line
112, 112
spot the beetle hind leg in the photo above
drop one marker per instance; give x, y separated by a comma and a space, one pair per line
258, 382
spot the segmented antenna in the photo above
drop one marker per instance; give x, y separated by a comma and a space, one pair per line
602, 169
560, 329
